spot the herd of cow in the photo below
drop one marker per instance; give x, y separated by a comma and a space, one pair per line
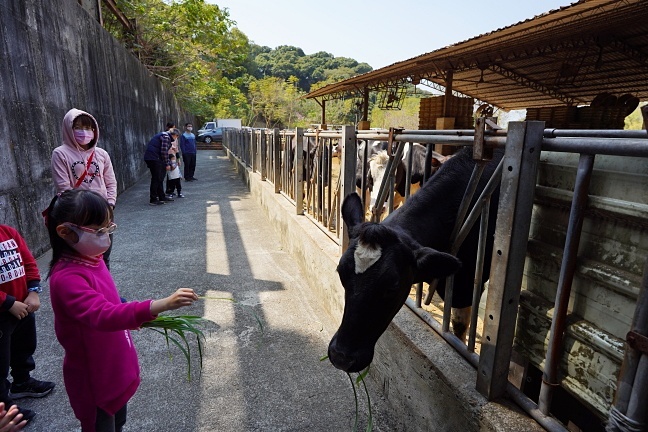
409, 245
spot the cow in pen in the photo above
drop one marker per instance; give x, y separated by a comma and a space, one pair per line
378, 168
384, 259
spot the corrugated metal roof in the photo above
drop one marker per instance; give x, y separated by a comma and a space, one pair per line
565, 56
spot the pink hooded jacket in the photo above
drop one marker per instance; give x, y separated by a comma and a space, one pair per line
70, 160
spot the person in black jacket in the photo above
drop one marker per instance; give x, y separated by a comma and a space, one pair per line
188, 149
157, 160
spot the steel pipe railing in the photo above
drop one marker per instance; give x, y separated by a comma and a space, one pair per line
587, 143
567, 270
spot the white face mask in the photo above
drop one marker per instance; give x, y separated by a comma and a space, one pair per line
89, 244
189, 129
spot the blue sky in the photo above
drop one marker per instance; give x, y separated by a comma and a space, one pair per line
378, 32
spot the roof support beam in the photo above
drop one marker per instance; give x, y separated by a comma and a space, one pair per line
527, 82
630, 52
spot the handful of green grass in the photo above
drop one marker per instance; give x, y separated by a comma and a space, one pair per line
177, 329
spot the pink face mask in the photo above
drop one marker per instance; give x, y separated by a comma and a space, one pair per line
90, 243
83, 136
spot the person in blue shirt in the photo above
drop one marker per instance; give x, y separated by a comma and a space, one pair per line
157, 160
188, 149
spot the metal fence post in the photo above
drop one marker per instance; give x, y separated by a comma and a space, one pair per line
264, 155
347, 176
254, 140
523, 146
299, 170
276, 148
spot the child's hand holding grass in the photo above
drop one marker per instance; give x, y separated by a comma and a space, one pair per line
180, 298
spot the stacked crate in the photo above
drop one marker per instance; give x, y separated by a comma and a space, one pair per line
605, 112
562, 117
460, 108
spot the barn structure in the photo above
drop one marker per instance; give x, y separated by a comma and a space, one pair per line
563, 58
583, 66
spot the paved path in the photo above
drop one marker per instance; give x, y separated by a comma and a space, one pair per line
256, 377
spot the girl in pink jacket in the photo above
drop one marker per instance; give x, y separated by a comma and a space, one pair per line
100, 367
78, 163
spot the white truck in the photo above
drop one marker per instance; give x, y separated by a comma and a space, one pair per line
211, 126
229, 123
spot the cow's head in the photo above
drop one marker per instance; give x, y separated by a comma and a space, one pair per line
377, 271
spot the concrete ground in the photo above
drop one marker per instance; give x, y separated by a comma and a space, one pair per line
261, 369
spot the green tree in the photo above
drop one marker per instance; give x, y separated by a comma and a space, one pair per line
214, 71
634, 121
406, 117
192, 46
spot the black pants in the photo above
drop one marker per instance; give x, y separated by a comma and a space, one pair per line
107, 423
106, 255
189, 164
17, 346
173, 185
158, 172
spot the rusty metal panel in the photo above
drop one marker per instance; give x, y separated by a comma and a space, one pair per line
591, 360
611, 256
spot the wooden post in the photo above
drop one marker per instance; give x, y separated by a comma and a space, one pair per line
448, 93
447, 121
364, 124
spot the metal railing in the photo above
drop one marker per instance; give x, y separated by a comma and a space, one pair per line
318, 194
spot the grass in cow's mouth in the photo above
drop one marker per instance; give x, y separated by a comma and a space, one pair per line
359, 379
175, 329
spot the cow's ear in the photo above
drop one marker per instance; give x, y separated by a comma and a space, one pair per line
352, 212
432, 264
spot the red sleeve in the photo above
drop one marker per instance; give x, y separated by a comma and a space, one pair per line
31, 268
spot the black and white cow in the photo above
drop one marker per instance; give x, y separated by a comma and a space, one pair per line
378, 168
373, 147
315, 160
384, 259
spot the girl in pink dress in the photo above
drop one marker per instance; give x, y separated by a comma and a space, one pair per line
100, 368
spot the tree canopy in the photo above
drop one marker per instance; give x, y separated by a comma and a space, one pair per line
195, 48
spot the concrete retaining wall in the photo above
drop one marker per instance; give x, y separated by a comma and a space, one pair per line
428, 384
55, 56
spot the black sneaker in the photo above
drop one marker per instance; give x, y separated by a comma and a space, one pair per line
31, 388
156, 203
27, 414
181, 196
167, 199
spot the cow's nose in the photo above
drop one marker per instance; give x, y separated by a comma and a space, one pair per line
339, 359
